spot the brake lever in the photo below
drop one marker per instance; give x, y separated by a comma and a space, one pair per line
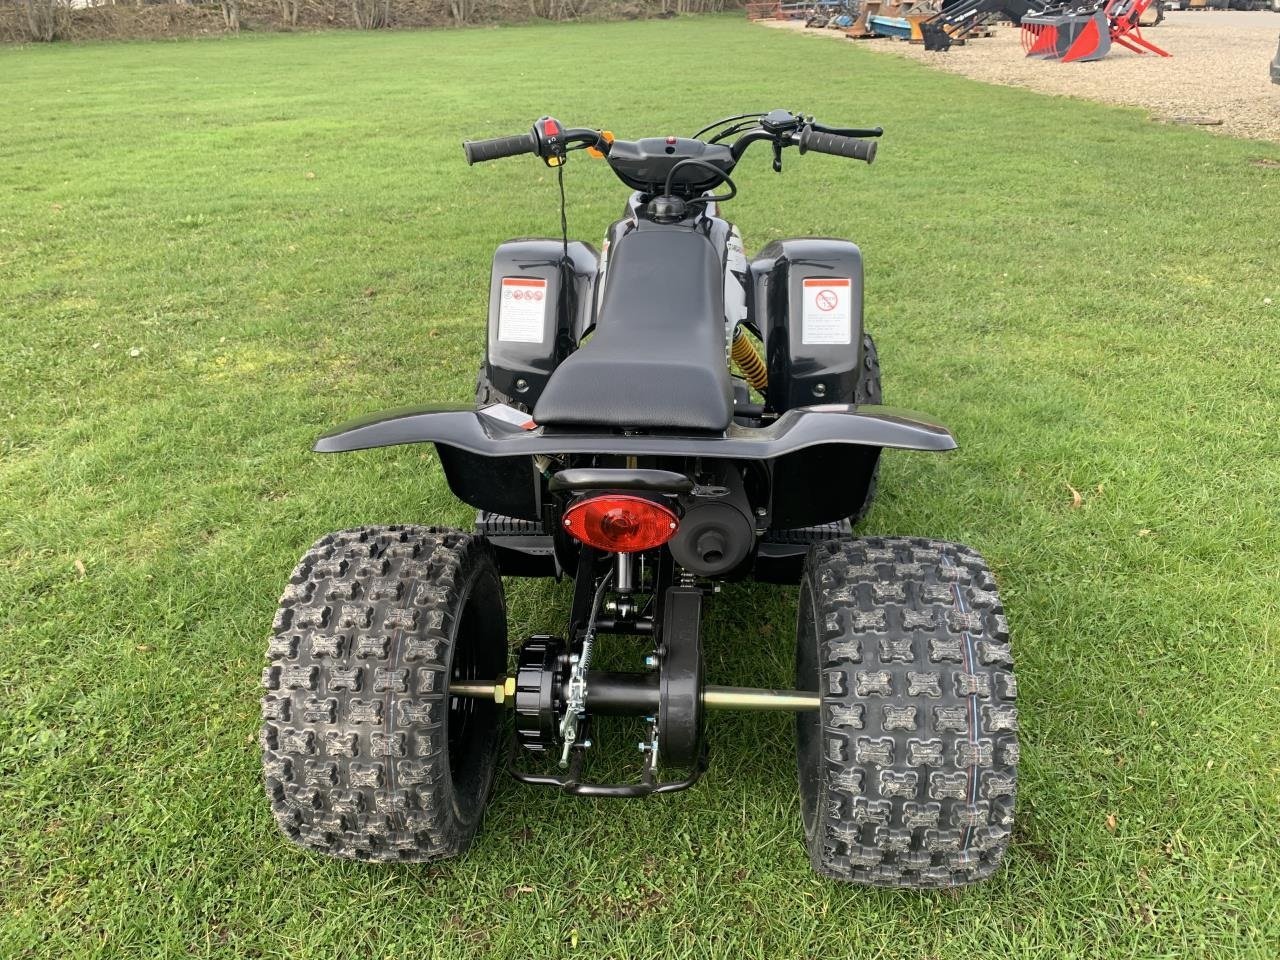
777, 156
849, 131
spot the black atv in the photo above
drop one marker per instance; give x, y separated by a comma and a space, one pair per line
611, 444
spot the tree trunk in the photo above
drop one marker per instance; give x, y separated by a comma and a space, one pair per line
371, 14
42, 20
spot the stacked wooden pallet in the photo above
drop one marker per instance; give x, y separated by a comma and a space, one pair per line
764, 11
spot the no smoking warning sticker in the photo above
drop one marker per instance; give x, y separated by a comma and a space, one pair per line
522, 311
827, 313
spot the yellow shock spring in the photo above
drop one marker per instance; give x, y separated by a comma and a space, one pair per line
748, 360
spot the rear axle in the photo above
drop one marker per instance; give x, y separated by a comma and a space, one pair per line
614, 694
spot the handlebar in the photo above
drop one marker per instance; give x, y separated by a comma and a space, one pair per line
547, 139
782, 128
850, 131
836, 145
478, 151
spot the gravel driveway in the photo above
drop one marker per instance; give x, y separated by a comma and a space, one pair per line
1218, 68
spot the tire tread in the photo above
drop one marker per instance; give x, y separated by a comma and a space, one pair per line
919, 715
354, 704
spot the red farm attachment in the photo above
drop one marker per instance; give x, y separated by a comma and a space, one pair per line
1125, 20
1073, 33
1066, 34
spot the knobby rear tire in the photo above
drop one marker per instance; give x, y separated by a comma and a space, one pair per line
908, 771
365, 755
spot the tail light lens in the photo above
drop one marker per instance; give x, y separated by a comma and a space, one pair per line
621, 524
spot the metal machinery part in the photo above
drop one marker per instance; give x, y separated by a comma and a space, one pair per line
679, 716
541, 673
715, 537
556, 696
717, 532
573, 722
623, 576
628, 693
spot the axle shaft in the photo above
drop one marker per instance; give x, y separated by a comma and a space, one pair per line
714, 697
754, 698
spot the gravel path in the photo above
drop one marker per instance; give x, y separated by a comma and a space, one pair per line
1218, 69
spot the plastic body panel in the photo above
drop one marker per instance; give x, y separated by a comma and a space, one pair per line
811, 454
724, 237
803, 373
645, 164
468, 429
520, 369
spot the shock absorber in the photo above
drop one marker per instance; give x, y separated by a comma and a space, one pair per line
748, 360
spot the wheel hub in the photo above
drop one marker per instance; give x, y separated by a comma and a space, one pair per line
541, 672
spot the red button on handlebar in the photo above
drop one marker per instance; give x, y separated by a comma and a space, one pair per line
550, 128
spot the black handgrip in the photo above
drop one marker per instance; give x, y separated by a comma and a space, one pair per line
836, 145
478, 151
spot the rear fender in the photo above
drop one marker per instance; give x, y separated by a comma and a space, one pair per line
486, 454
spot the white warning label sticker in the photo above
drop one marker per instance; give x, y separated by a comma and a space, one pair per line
828, 313
517, 418
523, 311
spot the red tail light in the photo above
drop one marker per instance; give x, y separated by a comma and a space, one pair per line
620, 524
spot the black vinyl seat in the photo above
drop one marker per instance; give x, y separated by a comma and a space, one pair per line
657, 357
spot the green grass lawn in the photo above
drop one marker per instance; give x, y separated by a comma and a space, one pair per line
210, 251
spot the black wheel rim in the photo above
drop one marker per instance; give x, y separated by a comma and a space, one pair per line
808, 722
478, 655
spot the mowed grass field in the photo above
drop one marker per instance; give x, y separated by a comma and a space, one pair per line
211, 251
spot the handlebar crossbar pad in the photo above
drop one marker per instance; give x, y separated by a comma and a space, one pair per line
478, 151
836, 145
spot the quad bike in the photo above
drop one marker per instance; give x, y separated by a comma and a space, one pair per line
612, 445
